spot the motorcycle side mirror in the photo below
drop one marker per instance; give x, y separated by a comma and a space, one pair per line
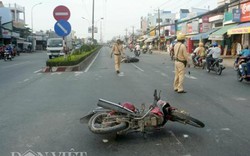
155, 94
159, 97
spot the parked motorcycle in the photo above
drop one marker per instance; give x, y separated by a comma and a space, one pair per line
125, 118
214, 66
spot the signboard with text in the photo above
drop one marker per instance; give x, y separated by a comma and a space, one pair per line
245, 12
236, 15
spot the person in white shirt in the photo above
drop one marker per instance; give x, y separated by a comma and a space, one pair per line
214, 54
137, 47
238, 48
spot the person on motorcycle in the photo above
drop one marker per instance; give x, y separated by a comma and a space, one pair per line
243, 61
243, 56
199, 53
145, 48
137, 47
150, 47
171, 47
213, 54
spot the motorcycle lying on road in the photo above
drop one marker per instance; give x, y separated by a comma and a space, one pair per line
215, 65
125, 118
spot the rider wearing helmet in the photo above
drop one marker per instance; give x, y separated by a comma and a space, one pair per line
243, 61
213, 54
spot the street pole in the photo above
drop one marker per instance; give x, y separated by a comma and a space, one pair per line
101, 32
93, 15
159, 29
126, 36
33, 43
133, 38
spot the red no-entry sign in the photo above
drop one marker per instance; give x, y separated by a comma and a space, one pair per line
61, 13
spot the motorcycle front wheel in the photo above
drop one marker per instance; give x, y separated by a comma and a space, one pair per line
239, 76
102, 123
219, 70
181, 117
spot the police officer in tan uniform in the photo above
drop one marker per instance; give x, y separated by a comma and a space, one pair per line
181, 61
117, 50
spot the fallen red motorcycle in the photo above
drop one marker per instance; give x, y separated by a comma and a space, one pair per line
125, 118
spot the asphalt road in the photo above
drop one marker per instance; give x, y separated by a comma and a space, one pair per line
41, 111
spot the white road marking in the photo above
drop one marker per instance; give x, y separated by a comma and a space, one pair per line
190, 77
26, 80
240, 99
185, 136
37, 71
78, 73
225, 129
87, 69
63, 29
58, 73
121, 74
17, 64
137, 67
178, 141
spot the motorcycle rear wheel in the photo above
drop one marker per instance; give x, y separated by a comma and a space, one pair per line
96, 124
184, 118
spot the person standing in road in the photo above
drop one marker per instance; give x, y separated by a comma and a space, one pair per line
117, 50
181, 61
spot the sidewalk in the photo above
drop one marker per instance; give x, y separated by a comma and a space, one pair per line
228, 61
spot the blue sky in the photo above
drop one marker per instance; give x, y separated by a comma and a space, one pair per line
118, 14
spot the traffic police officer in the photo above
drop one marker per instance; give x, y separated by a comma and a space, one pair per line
117, 50
181, 61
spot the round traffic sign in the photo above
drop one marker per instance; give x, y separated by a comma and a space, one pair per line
62, 28
61, 12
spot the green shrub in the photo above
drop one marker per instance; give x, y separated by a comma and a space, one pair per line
72, 59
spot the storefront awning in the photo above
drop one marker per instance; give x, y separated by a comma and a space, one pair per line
204, 35
218, 35
243, 28
189, 35
169, 37
151, 39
